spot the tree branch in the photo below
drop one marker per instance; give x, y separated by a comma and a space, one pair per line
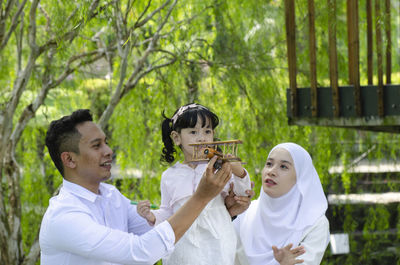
138, 23
30, 110
14, 24
19, 42
116, 95
71, 35
144, 11
21, 80
129, 6
133, 84
33, 254
135, 76
152, 44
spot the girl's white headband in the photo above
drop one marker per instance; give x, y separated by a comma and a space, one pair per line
185, 108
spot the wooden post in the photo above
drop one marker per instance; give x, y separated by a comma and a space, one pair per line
354, 53
313, 59
378, 26
388, 43
370, 56
291, 50
333, 69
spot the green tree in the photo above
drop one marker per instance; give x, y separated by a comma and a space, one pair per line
130, 60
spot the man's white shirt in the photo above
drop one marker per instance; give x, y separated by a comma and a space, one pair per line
81, 227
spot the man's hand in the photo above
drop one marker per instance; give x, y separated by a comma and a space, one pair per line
238, 204
213, 182
287, 256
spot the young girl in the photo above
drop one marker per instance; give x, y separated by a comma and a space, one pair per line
212, 238
290, 210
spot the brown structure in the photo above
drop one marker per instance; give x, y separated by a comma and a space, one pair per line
368, 107
226, 150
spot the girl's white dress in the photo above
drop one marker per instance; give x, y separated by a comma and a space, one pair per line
212, 239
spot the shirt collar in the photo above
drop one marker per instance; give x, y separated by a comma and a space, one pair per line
200, 167
84, 193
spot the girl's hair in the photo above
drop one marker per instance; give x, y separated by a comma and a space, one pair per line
184, 117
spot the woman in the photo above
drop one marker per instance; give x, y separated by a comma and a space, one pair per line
290, 210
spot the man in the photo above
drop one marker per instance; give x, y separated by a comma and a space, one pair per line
90, 222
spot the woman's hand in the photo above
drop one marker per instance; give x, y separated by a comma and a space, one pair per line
238, 204
287, 256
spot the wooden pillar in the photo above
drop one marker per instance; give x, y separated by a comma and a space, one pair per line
370, 53
291, 52
313, 59
354, 53
333, 69
388, 43
378, 27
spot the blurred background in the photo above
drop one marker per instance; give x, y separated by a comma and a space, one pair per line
323, 74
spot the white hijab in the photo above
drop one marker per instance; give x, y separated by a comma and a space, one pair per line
283, 220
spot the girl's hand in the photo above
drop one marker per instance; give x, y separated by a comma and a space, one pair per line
237, 168
287, 256
143, 209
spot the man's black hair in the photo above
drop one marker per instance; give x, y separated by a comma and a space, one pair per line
62, 136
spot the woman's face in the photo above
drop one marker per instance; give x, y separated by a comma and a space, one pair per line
279, 174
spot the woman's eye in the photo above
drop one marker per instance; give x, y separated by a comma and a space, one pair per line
268, 164
192, 132
284, 167
208, 131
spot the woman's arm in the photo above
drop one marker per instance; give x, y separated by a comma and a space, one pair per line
315, 241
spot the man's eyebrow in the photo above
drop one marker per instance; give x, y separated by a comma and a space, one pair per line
95, 140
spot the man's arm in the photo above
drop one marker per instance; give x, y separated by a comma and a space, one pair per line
210, 186
77, 233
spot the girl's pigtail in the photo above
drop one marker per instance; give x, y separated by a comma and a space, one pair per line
168, 150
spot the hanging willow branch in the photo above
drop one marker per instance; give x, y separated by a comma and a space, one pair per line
124, 86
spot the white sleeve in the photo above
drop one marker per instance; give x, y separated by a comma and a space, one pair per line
165, 210
315, 242
162, 214
240, 185
76, 232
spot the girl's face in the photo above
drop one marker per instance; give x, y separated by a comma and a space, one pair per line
188, 136
279, 174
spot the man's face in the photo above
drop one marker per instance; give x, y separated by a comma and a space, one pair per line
93, 163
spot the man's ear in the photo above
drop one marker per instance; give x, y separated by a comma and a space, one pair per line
68, 159
176, 138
